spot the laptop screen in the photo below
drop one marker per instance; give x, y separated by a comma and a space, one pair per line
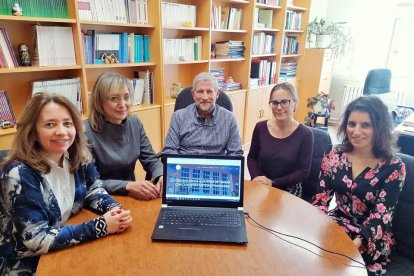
203, 180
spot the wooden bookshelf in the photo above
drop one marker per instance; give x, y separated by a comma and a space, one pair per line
250, 104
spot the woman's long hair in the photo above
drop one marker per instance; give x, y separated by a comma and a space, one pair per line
384, 140
27, 149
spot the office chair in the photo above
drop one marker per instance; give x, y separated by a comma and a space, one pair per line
185, 98
377, 82
321, 143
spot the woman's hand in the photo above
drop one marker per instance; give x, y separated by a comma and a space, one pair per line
262, 180
143, 190
117, 220
357, 242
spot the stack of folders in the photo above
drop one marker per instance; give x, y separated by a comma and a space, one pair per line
183, 49
148, 95
137, 90
37, 8
230, 49
69, 88
53, 46
177, 15
218, 73
120, 11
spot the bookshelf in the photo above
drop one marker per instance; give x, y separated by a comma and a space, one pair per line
250, 103
17, 81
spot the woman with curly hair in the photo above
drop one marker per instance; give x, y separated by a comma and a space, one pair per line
366, 178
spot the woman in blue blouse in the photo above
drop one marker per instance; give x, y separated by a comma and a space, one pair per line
47, 177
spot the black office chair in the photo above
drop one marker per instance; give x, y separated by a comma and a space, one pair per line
321, 143
378, 81
185, 98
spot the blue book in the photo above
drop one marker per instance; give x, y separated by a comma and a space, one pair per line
139, 48
146, 49
123, 42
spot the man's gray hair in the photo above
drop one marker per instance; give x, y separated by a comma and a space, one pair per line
204, 76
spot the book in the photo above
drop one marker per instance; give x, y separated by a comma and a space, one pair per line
265, 17
138, 90
6, 110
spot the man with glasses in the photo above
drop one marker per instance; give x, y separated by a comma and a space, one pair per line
119, 140
281, 150
203, 127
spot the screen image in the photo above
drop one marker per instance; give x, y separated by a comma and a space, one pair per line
203, 179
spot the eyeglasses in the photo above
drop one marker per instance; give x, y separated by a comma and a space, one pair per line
118, 99
282, 103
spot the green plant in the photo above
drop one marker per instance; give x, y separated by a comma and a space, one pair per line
340, 35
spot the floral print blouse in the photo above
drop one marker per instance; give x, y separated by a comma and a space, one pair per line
365, 205
30, 218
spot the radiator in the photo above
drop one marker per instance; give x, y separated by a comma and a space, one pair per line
351, 92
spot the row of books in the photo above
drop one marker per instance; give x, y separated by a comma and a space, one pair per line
183, 49
6, 110
263, 18
69, 88
53, 46
148, 93
263, 44
290, 45
229, 49
293, 20
224, 17
124, 47
121, 11
176, 15
269, 2
37, 8
287, 71
7, 56
218, 73
262, 72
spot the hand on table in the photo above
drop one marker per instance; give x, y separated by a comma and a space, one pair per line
117, 220
143, 190
159, 185
262, 180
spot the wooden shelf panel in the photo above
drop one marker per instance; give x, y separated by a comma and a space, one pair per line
186, 28
8, 131
264, 55
141, 107
294, 31
186, 62
265, 30
228, 31
296, 8
117, 24
119, 65
37, 69
36, 19
227, 59
265, 6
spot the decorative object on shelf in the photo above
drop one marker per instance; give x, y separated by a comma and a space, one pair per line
229, 80
175, 90
401, 113
24, 55
188, 24
320, 106
17, 10
327, 34
5, 124
109, 58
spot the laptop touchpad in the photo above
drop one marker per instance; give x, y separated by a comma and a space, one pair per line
189, 233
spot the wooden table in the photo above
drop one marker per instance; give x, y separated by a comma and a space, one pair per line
133, 252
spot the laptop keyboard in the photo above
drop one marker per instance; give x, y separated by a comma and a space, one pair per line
196, 218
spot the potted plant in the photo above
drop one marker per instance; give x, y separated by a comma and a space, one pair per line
334, 36
320, 105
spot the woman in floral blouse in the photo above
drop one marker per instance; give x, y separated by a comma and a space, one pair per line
366, 178
47, 177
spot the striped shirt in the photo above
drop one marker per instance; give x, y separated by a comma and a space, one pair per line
215, 135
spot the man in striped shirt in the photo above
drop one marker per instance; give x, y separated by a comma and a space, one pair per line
203, 128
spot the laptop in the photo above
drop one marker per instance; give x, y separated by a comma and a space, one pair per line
202, 199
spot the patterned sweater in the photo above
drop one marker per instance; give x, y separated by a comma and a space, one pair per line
30, 218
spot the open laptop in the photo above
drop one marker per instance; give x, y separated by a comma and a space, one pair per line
202, 199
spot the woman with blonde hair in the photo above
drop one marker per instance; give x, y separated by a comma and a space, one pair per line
47, 177
118, 140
